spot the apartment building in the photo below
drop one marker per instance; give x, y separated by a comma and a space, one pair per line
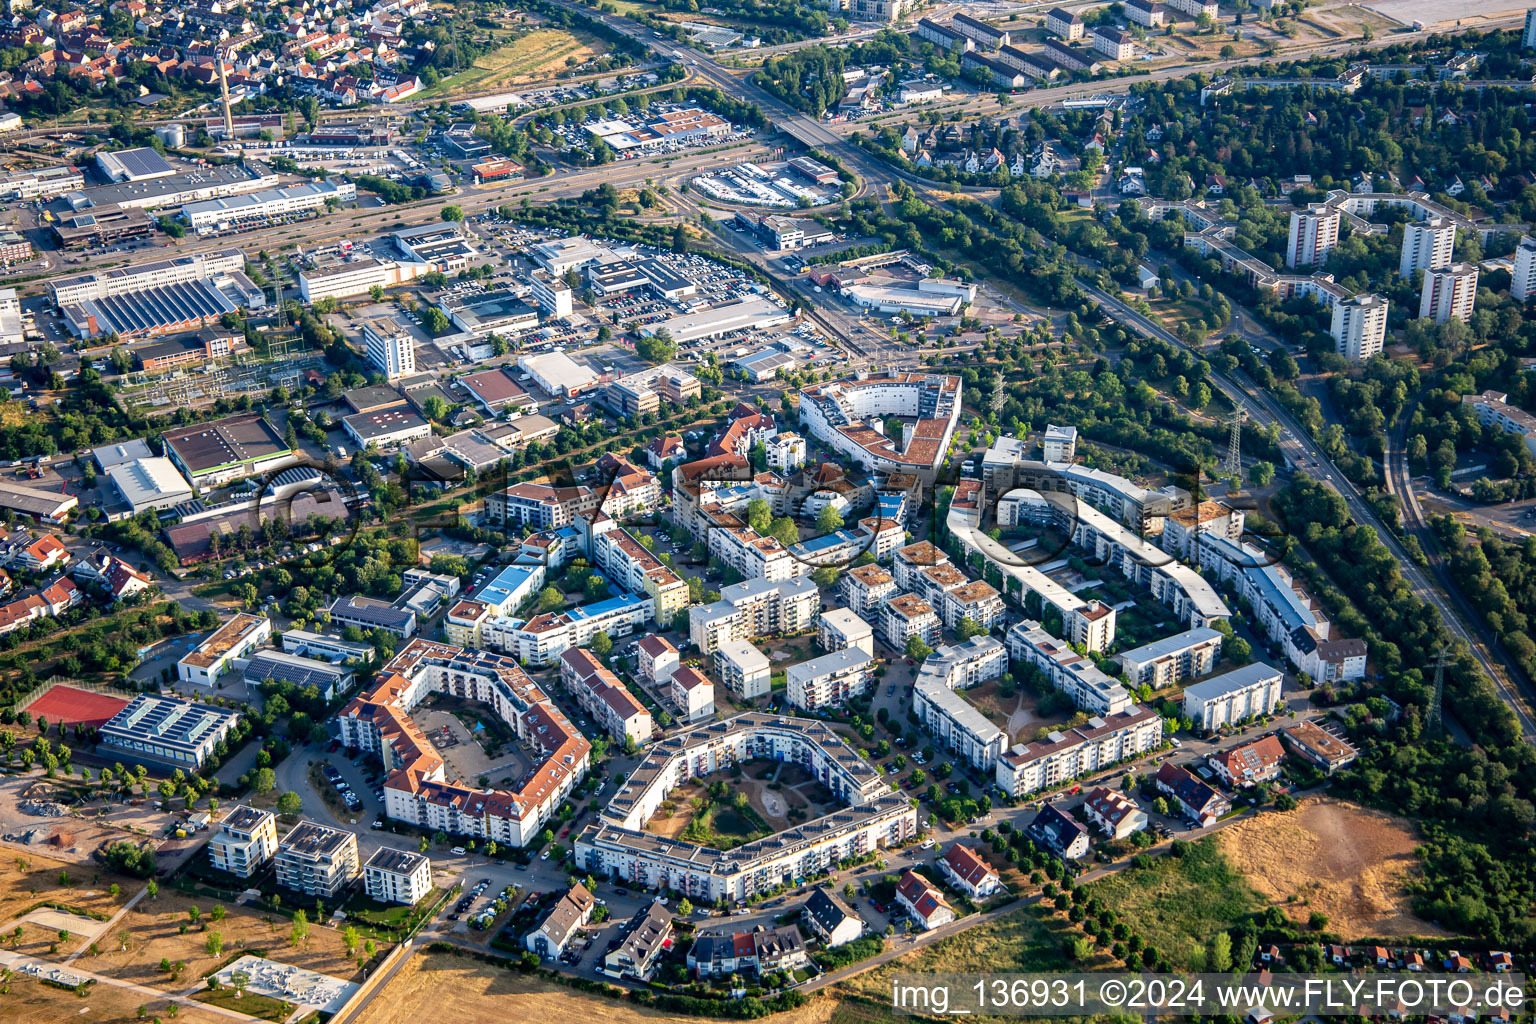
1231, 697
635, 568
1183, 529
1495, 413
691, 693
245, 841
1427, 245
1449, 293
1092, 627
1187, 655
604, 697
864, 589
953, 722
829, 680
317, 860
751, 609
1359, 327
397, 876
540, 506
1071, 753
1522, 284
910, 562
839, 628
907, 616
1074, 674
1064, 23
743, 669
658, 658
543, 638
1314, 233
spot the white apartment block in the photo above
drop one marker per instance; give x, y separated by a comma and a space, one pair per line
1528, 34
786, 452
839, 629
1075, 675
1233, 696
1449, 293
753, 608
743, 669
245, 841
829, 680
1313, 235
1359, 327
543, 638
1495, 413
865, 588
1183, 529
1059, 443
389, 347
1194, 8
658, 659
691, 693
1063, 756
1187, 655
397, 876
952, 720
907, 616
604, 697
1522, 284
1092, 627
317, 860
1064, 23
1427, 245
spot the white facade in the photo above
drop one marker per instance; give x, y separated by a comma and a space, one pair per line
830, 680
1522, 284
786, 452
1060, 443
1427, 245
1449, 293
1186, 655
1359, 327
1063, 756
390, 348
1233, 696
951, 719
839, 628
245, 841
397, 876
743, 669
229, 643
1313, 235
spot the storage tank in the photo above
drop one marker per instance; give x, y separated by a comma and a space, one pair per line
173, 135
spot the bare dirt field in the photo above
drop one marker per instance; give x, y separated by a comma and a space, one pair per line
152, 931
1343, 860
482, 993
27, 880
32, 1002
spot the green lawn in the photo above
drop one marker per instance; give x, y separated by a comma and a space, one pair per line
250, 1003
394, 916
1178, 903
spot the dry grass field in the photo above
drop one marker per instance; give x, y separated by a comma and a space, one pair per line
1343, 860
32, 1002
27, 880
481, 993
152, 931
537, 55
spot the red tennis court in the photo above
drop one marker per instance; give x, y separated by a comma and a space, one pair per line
68, 706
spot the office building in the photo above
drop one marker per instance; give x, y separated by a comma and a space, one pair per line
245, 841
166, 731
1427, 245
397, 876
221, 451
1449, 293
1359, 327
317, 860
1229, 698
217, 653
1313, 235
152, 483
389, 347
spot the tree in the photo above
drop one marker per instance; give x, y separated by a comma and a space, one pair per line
550, 599
300, 930
214, 944
453, 214
289, 804
350, 939
1260, 474
1220, 958
684, 907
238, 981
829, 520
265, 781
658, 348
917, 650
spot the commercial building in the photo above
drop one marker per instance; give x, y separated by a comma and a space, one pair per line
1312, 743
368, 615
150, 483
40, 182
570, 913
756, 313
839, 629
1227, 699
389, 347
1186, 655
1359, 327
483, 314
397, 876
1449, 293
222, 451
1427, 245
829, 680
258, 208
1314, 233
951, 719
231, 642
166, 731
743, 669
558, 374
619, 847
349, 278
161, 297
133, 165
244, 842
1068, 754
387, 428
317, 860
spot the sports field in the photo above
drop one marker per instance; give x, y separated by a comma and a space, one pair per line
68, 705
